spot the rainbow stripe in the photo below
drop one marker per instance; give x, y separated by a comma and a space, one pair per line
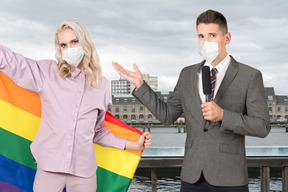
20, 114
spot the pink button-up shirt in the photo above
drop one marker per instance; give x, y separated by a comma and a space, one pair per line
72, 114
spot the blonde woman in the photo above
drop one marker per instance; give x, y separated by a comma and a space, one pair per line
74, 97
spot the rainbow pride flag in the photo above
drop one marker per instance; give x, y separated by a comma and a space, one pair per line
20, 114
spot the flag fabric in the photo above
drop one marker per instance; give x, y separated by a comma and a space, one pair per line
20, 114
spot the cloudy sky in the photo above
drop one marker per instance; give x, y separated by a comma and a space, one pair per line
158, 35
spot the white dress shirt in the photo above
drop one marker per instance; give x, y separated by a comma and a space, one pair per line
221, 68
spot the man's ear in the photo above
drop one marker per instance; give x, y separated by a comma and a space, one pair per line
227, 38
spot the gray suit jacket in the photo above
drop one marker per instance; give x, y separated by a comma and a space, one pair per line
220, 152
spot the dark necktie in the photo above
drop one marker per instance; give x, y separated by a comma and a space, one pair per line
213, 81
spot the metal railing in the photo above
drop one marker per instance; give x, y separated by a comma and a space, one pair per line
264, 163
182, 128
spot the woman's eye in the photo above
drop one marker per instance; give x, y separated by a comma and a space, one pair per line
63, 45
75, 41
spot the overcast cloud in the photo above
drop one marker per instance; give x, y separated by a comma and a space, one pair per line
158, 35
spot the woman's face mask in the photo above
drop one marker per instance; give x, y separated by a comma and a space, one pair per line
73, 56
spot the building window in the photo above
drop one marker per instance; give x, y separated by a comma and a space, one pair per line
278, 109
133, 109
141, 116
270, 108
286, 109
125, 100
125, 116
117, 109
141, 108
117, 116
133, 100
149, 116
286, 116
117, 100
270, 98
133, 117
125, 108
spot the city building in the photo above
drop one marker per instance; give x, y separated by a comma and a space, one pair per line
152, 81
130, 110
277, 105
121, 87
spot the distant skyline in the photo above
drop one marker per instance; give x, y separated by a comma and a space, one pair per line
159, 36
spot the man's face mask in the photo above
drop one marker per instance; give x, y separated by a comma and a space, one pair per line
208, 51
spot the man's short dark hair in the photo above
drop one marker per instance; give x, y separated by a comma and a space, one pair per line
211, 16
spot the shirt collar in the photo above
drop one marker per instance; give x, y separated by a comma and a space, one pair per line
77, 72
222, 65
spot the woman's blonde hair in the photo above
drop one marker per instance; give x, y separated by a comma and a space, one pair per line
91, 61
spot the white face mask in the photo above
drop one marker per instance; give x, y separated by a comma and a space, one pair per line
208, 50
73, 56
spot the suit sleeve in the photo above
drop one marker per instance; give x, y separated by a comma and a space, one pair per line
256, 121
166, 113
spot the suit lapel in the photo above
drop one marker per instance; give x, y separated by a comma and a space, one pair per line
229, 76
196, 104
195, 83
192, 98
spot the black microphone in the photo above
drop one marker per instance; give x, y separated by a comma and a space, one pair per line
206, 82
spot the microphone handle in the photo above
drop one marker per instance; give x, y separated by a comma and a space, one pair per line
207, 98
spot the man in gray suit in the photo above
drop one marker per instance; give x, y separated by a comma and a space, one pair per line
214, 157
